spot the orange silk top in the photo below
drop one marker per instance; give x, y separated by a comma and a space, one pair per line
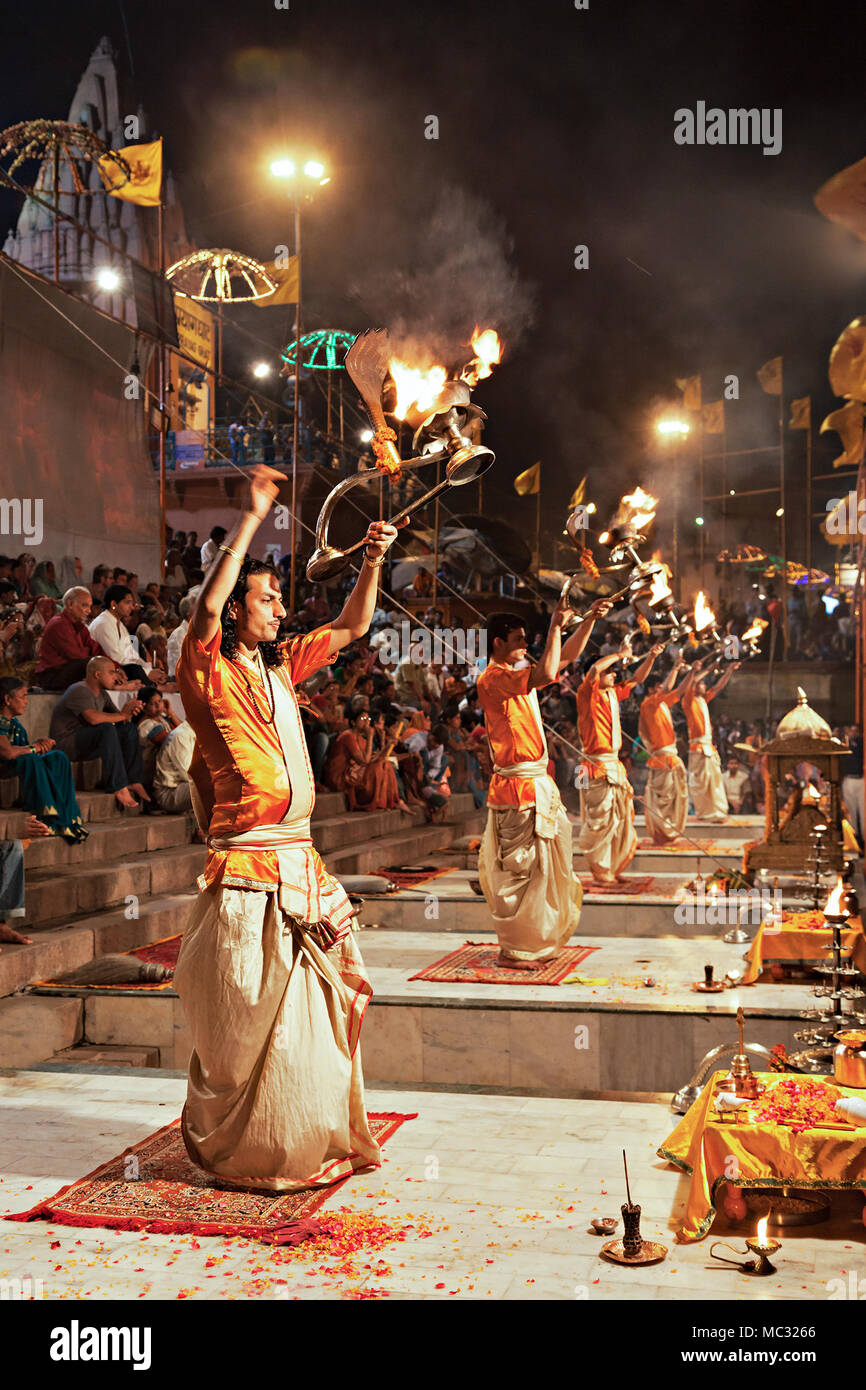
238, 767
656, 727
697, 715
598, 720
513, 725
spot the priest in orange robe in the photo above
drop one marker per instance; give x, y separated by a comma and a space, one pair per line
706, 786
272, 982
666, 799
525, 861
607, 834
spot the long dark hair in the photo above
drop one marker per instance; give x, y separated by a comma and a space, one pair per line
273, 653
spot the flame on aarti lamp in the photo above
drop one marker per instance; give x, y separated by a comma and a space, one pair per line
639, 507
660, 588
753, 633
761, 1234
415, 386
487, 346
704, 615
834, 902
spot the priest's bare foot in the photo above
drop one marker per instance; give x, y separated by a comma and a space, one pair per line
140, 791
125, 798
510, 964
14, 937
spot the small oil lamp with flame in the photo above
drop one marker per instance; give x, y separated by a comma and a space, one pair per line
761, 1245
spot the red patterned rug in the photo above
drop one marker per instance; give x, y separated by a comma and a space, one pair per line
629, 886
163, 952
170, 1195
703, 847
477, 962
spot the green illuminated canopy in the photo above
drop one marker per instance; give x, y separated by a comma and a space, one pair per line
321, 350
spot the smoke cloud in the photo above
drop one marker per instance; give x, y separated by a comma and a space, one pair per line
455, 271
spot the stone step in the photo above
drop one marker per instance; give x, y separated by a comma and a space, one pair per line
34, 1027
609, 1034
108, 840
734, 828
411, 845
94, 806
646, 861
58, 898
458, 909
89, 1057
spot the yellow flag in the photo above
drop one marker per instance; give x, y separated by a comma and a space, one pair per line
801, 414
713, 417
144, 185
286, 279
691, 389
528, 482
770, 376
578, 495
848, 424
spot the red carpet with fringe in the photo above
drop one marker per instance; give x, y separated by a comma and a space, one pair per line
411, 877
477, 962
155, 1186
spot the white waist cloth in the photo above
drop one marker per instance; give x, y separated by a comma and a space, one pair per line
613, 769
547, 799
704, 745
307, 891
669, 750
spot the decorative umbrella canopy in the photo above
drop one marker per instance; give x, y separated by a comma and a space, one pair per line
72, 147
743, 555
324, 350
221, 276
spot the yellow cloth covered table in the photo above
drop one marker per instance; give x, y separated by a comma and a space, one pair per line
793, 945
758, 1155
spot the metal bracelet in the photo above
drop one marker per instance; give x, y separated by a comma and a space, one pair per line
228, 550
374, 564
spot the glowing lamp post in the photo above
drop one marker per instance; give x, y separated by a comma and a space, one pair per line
310, 175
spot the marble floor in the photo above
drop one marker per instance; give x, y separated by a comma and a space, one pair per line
493, 1196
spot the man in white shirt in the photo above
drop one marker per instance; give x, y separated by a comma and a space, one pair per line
115, 640
175, 639
736, 782
171, 772
212, 545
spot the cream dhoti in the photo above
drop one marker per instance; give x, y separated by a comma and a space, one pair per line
706, 788
666, 799
275, 1097
607, 835
526, 872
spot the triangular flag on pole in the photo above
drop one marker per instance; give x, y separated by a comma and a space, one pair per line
770, 376
578, 495
286, 279
528, 482
801, 414
144, 185
691, 389
713, 417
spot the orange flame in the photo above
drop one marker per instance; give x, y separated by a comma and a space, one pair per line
416, 386
834, 902
660, 588
761, 1234
753, 633
704, 615
656, 558
487, 346
635, 511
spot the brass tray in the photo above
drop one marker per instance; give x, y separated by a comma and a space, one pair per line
651, 1252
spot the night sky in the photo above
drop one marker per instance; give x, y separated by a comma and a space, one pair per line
555, 129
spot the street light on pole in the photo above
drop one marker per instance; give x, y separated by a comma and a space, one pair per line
313, 174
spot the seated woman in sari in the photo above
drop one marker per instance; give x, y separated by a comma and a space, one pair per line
44, 773
465, 768
367, 778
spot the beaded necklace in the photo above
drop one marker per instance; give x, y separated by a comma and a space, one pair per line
260, 666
